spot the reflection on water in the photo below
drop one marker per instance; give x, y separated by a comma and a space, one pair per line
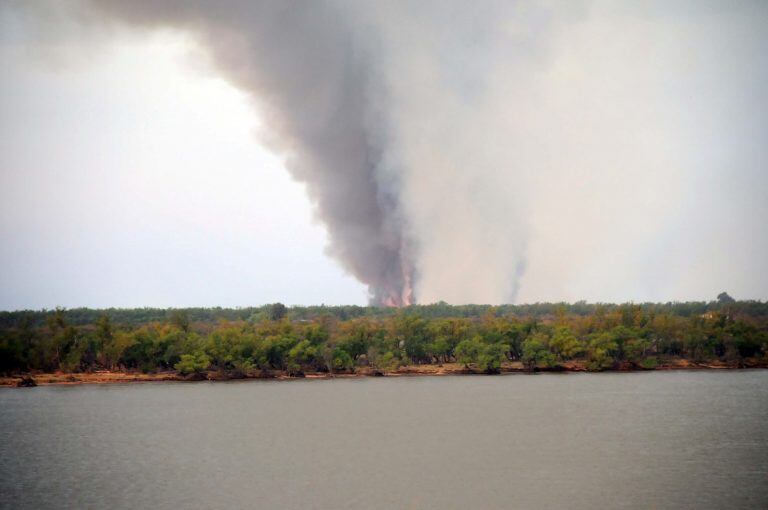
636, 440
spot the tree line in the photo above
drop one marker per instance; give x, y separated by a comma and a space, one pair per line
298, 340
139, 316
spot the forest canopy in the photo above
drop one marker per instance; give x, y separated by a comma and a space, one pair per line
301, 339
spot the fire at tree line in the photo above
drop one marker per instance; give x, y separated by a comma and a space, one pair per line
276, 340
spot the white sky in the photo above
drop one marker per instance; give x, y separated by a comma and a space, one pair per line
132, 179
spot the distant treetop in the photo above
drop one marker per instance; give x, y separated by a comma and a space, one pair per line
183, 317
724, 299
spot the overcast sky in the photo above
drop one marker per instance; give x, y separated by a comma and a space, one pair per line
131, 179
132, 173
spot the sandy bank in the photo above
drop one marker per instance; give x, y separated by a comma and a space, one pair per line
109, 377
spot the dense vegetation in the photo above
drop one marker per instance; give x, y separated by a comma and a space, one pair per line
339, 339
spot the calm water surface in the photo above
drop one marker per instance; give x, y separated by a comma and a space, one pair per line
638, 440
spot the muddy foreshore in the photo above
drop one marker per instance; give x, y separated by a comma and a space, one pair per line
112, 377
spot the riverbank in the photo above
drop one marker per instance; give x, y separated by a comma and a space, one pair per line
112, 377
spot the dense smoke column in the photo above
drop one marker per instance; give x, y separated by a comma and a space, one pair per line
477, 151
311, 81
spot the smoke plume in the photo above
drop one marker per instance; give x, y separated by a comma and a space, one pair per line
465, 151
311, 77
370, 106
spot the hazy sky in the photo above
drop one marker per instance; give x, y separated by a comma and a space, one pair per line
606, 152
131, 179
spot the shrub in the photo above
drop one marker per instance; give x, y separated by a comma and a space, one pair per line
490, 357
242, 367
602, 350
341, 360
193, 363
564, 343
468, 351
388, 361
302, 355
536, 354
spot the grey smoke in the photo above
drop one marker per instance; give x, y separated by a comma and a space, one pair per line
324, 74
313, 80
484, 151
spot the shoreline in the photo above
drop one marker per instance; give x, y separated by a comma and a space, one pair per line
121, 377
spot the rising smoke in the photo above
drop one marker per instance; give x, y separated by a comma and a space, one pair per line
313, 79
461, 151
377, 107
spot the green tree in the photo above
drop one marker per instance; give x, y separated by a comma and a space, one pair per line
564, 343
491, 356
637, 349
724, 299
338, 360
536, 354
276, 348
180, 319
439, 349
277, 311
602, 349
196, 362
242, 367
388, 362
468, 351
412, 331
302, 356
105, 335
142, 352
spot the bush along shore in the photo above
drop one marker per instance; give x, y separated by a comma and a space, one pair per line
58, 347
107, 376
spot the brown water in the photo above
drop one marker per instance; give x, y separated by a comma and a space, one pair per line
632, 440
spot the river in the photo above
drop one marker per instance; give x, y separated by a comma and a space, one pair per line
664, 439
